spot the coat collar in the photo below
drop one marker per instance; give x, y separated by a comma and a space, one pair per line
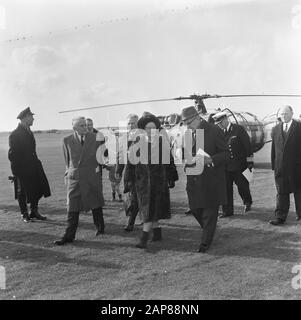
291, 129
27, 131
82, 148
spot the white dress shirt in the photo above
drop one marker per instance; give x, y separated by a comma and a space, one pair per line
80, 137
288, 124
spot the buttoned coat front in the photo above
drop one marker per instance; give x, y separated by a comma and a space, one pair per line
208, 189
286, 158
83, 177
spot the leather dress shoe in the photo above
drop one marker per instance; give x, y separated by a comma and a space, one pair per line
26, 218
61, 242
298, 218
99, 232
202, 248
248, 207
276, 222
37, 215
225, 215
128, 228
188, 212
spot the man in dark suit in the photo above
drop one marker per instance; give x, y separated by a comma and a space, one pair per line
286, 163
84, 192
241, 158
206, 190
30, 180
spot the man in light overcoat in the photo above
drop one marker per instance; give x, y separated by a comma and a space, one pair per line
82, 176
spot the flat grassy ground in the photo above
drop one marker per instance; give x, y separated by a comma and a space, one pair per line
249, 258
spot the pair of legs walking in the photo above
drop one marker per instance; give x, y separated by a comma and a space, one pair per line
243, 189
283, 205
72, 224
116, 189
157, 233
207, 219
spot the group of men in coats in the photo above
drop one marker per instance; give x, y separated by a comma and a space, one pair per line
227, 154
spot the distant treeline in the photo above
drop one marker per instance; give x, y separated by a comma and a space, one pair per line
47, 131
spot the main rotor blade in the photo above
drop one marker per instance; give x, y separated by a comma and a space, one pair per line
191, 97
116, 104
254, 95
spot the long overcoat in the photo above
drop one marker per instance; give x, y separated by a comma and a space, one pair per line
152, 183
25, 164
83, 177
208, 189
286, 158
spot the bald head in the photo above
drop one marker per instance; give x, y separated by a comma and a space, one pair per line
286, 113
79, 125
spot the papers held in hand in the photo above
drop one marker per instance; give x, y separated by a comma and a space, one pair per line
248, 173
200, 156
202, 153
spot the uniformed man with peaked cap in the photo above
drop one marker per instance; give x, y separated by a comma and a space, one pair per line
30, 180
241, 158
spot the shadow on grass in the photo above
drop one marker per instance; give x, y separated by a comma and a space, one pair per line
233, 241
20, 245
266, 242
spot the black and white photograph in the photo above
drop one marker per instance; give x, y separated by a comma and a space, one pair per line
150, 151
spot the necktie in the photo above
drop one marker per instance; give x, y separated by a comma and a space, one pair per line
286, 128
82, 140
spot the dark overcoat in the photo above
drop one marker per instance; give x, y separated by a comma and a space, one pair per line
286, 158
208, 189
25, 164
152, 183
83, 176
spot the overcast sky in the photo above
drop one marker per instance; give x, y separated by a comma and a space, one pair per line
157, 49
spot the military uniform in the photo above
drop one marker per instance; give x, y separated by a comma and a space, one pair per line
241, 158
29, 177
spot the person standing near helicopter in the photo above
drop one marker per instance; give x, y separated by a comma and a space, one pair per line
241, 158
286, 164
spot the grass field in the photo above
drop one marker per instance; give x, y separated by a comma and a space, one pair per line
249, 258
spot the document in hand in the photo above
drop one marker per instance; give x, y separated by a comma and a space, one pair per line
248, 174
201, 152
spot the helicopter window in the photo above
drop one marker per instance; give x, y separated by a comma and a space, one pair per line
232, 119
240, 118
248, 117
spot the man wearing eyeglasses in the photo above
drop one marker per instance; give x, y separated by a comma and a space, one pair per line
206, 190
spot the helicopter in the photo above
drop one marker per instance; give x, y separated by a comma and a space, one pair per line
259, 131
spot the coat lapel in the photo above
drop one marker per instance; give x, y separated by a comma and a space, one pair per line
77, 145
85, 147
292, 128
280, 134
29, 134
